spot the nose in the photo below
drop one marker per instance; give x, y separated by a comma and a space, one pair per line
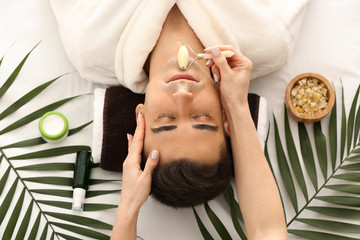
183, 99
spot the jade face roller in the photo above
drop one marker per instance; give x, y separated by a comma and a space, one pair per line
183, 56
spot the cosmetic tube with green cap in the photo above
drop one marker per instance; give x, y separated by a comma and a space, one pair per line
81, 179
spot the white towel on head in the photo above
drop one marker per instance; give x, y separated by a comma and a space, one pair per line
109, 41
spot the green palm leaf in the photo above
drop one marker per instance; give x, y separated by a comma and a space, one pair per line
80, 230
52, 152
219, 226
7, 201
14, 74
351, 121
307, 153
40, 140
337, 212
319, 235
320, 143
343, 125
294, 158
9, 230
205, 233
40, 228
26, 98
285, 169
333, 136
25, 222
37, 114
80, 220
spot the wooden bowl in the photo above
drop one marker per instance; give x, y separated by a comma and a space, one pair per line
308, 117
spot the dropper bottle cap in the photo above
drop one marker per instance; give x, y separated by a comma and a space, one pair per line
78, 199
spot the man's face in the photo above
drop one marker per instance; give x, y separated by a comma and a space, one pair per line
183, 114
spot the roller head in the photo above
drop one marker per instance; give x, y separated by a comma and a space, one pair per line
183, 57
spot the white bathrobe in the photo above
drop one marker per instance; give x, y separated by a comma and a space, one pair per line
108, 41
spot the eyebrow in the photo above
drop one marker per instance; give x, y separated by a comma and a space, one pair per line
196, 126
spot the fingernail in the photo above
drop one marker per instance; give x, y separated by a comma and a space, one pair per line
216, 51
128, 136
216, 78
154, 154
208, 62
207, 49
138, 118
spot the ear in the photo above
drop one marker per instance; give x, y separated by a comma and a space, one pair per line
226, 125
139, 108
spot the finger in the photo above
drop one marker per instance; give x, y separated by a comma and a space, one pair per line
138, 139
220, 60
216, 73
151, 163
129, 138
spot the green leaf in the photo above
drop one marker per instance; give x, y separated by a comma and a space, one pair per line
25, 222
357, 126
80, 230
294, 158
318, 235
345, 213
35, 227
68, 237
219, 226
92, 223
320, 144
64, 205
61, 181
44, 233
331, 225
14, 74
94, 193
349, 176
4, 179
351, 120
26, 143
40, 140
353, 158
333, 136
307, 153
88, 207
204, 232
347, 188
54, 192
229, 197
69, 193
49, 167
100, 181
78, 129
37, 114
341, 200
52, 152
7, 201
284, 169
14, 217
26, 98
343, 126
352, 167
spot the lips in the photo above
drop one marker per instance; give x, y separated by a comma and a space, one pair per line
182, 77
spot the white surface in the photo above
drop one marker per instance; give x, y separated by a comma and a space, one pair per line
329, 44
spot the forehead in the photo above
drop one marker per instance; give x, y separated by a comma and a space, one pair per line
185, 143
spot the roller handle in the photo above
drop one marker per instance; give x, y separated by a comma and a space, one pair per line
227, 54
